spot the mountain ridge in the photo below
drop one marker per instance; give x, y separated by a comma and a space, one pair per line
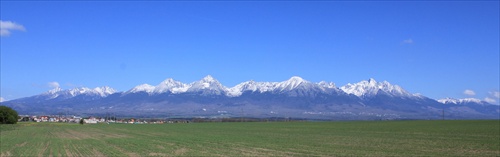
363, 89
293, 97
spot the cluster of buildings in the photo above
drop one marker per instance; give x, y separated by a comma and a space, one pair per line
87, 120
48, 118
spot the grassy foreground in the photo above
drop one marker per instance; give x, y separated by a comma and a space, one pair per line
367, 138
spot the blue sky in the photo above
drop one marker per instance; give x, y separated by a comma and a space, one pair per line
438, 49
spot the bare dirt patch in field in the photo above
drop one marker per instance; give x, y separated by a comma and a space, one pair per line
7, 153
250, 151
97, 153
44, 149
21, 144
160, 147
181, 151
133, 155
157, 154
68, 153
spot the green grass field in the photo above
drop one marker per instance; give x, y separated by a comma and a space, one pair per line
366, 138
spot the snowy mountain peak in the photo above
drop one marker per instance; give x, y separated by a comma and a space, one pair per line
168, 82
170, 85
104, 91
142, 88
471, 100
69, 93
208, 81
78, 91
371, 88
296, 78
53, 91
291, 83
460, 101
209, 78
448, 101
325, 84
208, 85
372, 80
242, 87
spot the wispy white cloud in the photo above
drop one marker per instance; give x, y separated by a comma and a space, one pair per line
53, 84
7, 26
469, 92
490, 100
2, 99
408, 41
493, 97
495, 94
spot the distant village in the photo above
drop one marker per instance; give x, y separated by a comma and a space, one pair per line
94, 120
114, 120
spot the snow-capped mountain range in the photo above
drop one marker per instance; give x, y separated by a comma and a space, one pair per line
210, 85
367, 99
60, 93
461, 101
371, 88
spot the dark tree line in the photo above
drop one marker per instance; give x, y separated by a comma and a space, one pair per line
8, 115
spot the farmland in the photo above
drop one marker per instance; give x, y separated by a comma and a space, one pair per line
359, 138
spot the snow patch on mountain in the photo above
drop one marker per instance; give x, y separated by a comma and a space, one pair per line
252, 86
242, 87
172, 86
60, 93
262, 87
77, 91
208, 85
142, 88
53, 93
370, 88
325, 84
104, 91
291, 83
460, 101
